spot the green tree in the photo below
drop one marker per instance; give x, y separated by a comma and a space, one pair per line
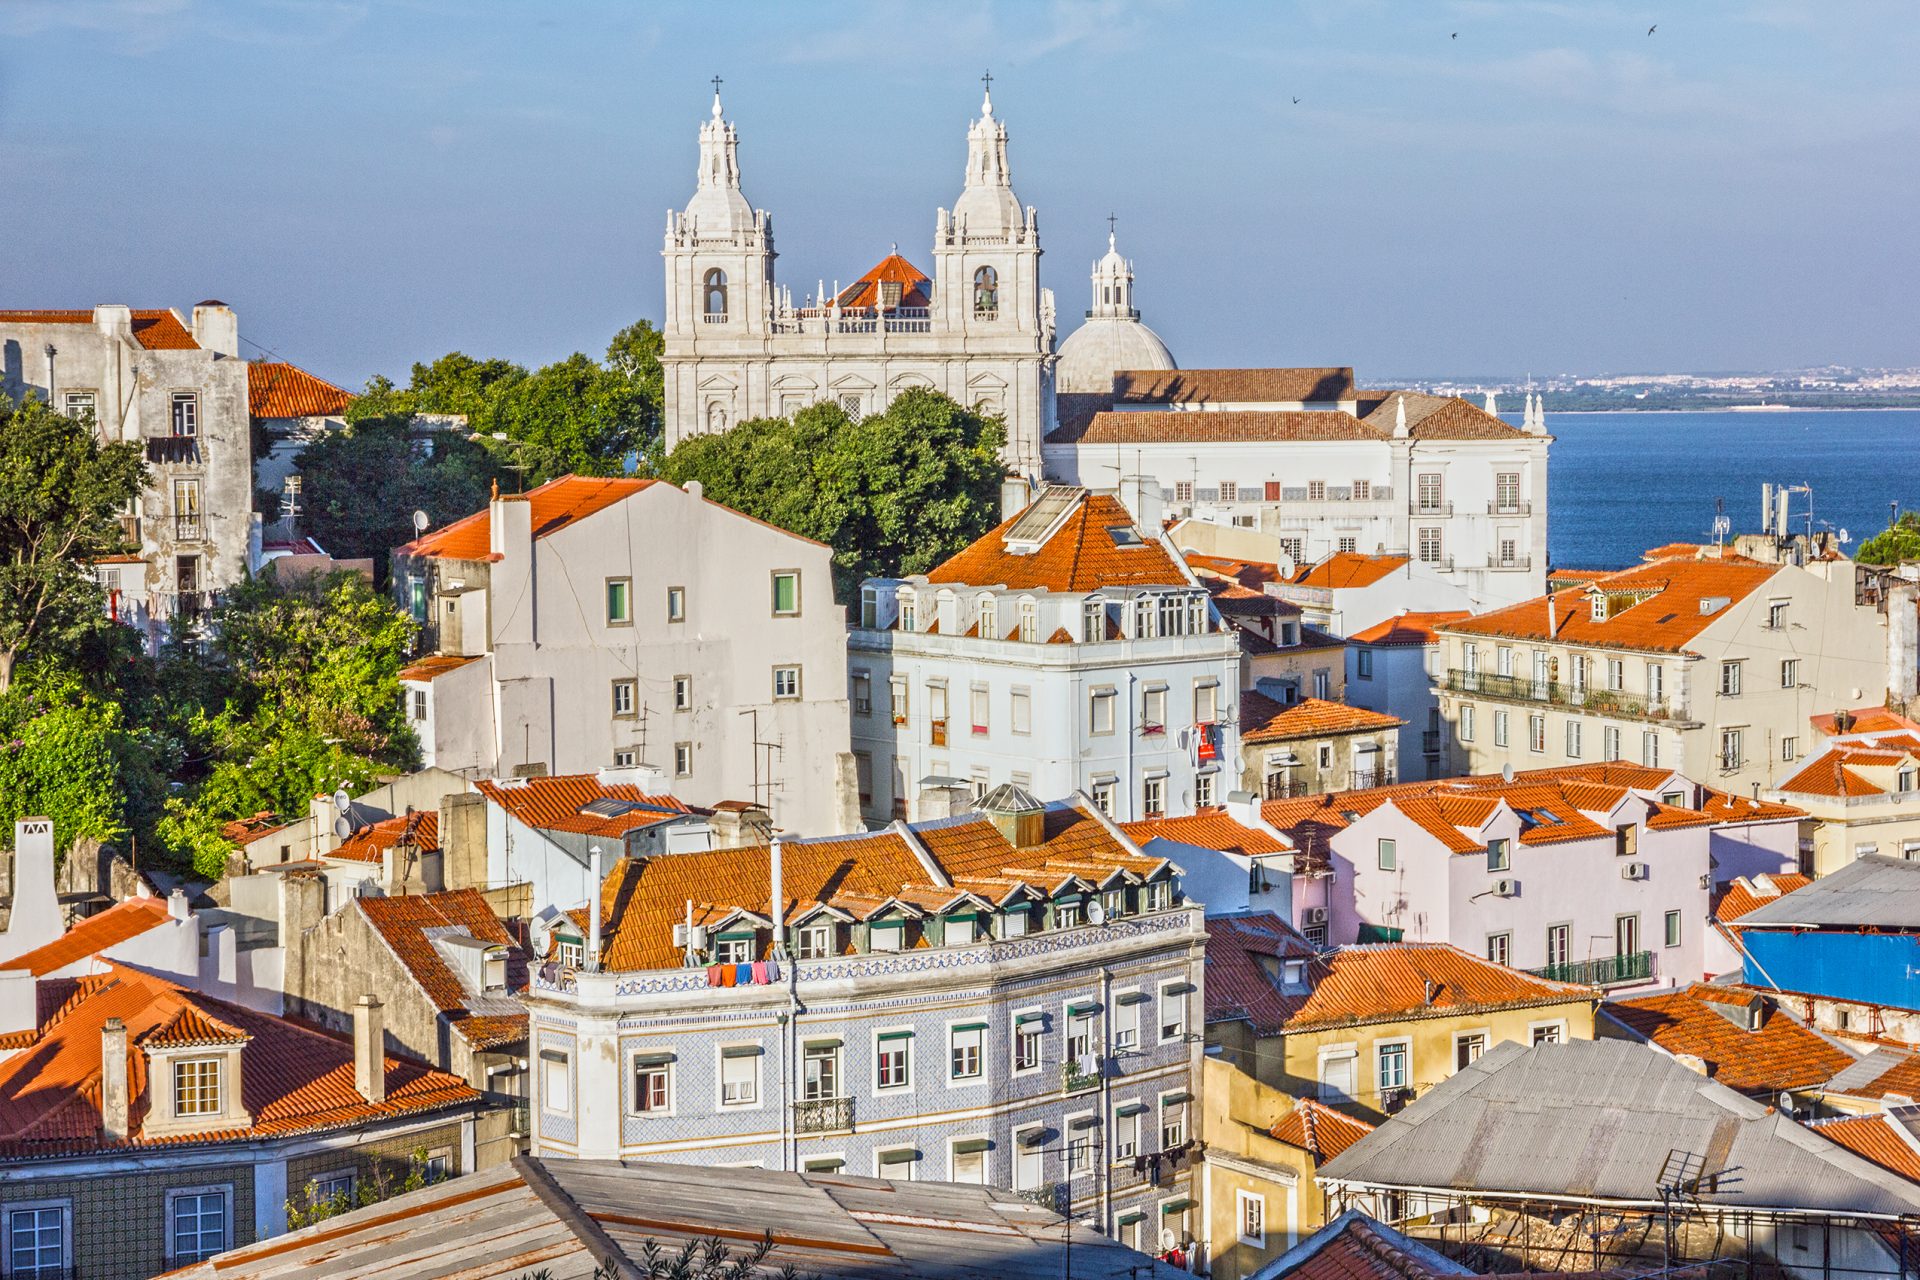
361, 486
893, 493
577, 417
69, 755
1894, 545
61, 492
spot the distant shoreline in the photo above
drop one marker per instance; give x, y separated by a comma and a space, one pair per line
1794, 408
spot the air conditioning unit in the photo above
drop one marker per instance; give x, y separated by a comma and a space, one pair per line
1635, 871
1506, 888
1316, 915
690, 937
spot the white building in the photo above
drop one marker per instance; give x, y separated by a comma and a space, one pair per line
626, 622
980, 329
178, 390
1113, 338
1391, 668
1068, 650
1320, 468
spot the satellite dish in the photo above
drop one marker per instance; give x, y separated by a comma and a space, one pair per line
1096, 913
1845, 537
1506, 772
342, 801
1786, 1102
342, 827
420, 522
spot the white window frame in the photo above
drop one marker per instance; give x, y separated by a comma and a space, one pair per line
955, 1048
1380, 1051
788, 669
1549, 1031
720, 1060
556, 1070
1030, 1034
896, 1038
64, 1264
665, 1070
1174, 1005
177, 1194
954, 1156
1250, 1218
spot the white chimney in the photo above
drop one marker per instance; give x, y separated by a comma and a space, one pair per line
779, 896
369, 1049
593, 910
114, 321
114, 1106
35, 920
215, 328
177, 904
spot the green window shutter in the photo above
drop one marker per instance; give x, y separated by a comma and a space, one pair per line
971, 1145
741, 1051
895, 1035
1172, 1207
824, 1042
907, 1156
1081, 1008
1132, 997
1172, 1098
1130, 1109
1130, 1217
652, 1059
971, 1026
1024, 1019
830, 1165
1380, 933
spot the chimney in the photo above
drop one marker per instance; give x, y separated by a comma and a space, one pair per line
510, 539
35, 920
215, 328
778, 896
695, 490
942, 798
113, 1080
1692, 1062
1903, 644
739, 824
1141, 497
177, 904
369, 1049
1015, 496
593, 910
114, 321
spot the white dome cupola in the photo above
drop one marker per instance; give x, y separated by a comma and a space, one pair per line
1113, 338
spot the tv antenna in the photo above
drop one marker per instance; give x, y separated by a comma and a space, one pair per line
1722, 524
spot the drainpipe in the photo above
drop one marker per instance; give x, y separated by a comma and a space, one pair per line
593, 910
52, 351
1106, 1099
1133, 793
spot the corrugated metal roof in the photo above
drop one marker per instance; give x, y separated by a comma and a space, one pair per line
1610, 1120
1874, 891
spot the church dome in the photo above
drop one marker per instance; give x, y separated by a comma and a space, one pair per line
1103, 346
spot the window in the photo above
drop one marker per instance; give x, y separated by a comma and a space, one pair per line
1389, 856
1153, 708
623, 697
1104, 790
1431, 547
1730, 679
1573, 739
862, 693
186, 413
1159, 896
713, 297
1649, 747
1559, 943
1427, 488
186, 511
1316, 491
1293, 549
1467, 1048
1183, 491
1363, 664
1731, 753
897, 699
1093, 621
621, 760
821, 1071
683, 759
1126, 1021
1777, 615
1497, 855
683, 693
986, 293
869, 608
1014, 921
1610, 742
739, 1075
902, 1164
419, 704
1173, 1121
978, 699
1323, 755
1903, 781
730, 950
1656, 682
1509, 553
78, 405
1029, 1158
196, 1224
1673, 928
1362, 490
1229, 491
1126, 1131
1153, 797
1547, 1033
1626, 935
1537, 734
651, 1083
963, 1052
786, 683
1027, 1031
989, 618
619, 602
1079, 1146
894, 1069
1789, 748
786, 593
814, 941
1390, 1060
1322, 684
676, 604
1206, 702
908, 617
1789, 673
1499, 728
1506, 488
1079, 1035
969, 1162
1204, 786
1500, 947
1466, 723
196, 1087
1100, 711
36, 1239
1253, 1219
1173, 1012
1348, 545
570, 952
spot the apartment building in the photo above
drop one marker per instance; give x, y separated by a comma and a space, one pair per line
1707, 667
1008, 997
1315, 467
1390, 669
627, 622
1068, 650
178, 389
1861, 788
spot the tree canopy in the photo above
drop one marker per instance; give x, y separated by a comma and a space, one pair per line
1893, 545
893, 493
61, 494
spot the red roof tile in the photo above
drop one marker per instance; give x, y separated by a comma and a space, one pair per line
1654, 608
91, 936
1318, 1130
156, 330
1242, 955
915, 286
1782, 1054
1208, 829
1355, 1247
433, 668
1408, 629
1865, 720
555, 804
1251, 574
1876, 1138
421, 829
1382, 982
404, 923
1232, 386
1743, 895
556, 505
1264, 720
1080, 556
1166, 426
1349, 569
279, 390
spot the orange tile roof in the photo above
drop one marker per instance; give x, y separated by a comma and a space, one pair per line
1865, 720
404, 923
1167, 426
1264, 720
1318, 1130
432, 668
1241, 952
1355, 1247
156, 330
892, 269
1828, 775
94, 934
1664, 620
1388, 982
276, 389
1207, 829
556, 505
554, 804
1782, 1054
421, 829
1349, 569
1251, 574
1232, 386
244, 830
1408, 629
1743, 895
295, 1078
1874, 1138
1080, 556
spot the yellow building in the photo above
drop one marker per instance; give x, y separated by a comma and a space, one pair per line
1367, 1028
1861, 791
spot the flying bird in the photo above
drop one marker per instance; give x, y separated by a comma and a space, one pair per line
1655, 27
1296, 102
1454, 36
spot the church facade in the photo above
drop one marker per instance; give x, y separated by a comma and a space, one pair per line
980, 329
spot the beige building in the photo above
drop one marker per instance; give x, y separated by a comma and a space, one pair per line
1861, 791
629, 623
1708, 667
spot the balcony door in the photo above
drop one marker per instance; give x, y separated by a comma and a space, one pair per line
1626, 936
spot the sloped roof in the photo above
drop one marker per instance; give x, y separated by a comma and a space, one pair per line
1318, 1130
1887, 1139
1081, 555
1248, 573
276, 389
409, 923
1782, 1054
1349, 569
1665, 618
1834, 773
156, 330
1239, 985
1164, 426
1356, 1247
295, 1079
1392, 981
554, 803
1873, 891
432, 668
915, 285
556, 505
1743, 895
1232, 386
93, 935
1206, 829
1607, 1121
1865, 720
1264, 720
1408, 629
421, 829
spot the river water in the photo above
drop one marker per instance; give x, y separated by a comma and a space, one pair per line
1622, 482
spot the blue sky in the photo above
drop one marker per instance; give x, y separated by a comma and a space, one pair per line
370, 182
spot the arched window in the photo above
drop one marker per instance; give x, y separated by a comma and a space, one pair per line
986, 293
714, 293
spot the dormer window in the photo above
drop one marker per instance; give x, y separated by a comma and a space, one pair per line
1114, 902
735, 948
196, 1087
957, 931
494, 970
1066, 914
887, 935
1093, 621
1014, 921
889, 293
989, 618
1159, 895
570, 950
814, 941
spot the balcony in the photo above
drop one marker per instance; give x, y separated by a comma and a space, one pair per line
823, 1115
1509, 562
171, 449
1509, 508
1364, 779
713, 317
1074, 1080
1283, 786
1048, 1195
1439, 564
1605, 702
188, 529
1431, 509
1607, 971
